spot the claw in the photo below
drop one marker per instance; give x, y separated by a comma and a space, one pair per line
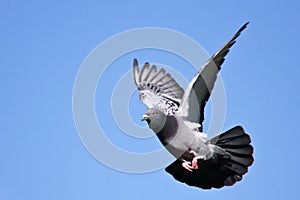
187, 166
195, 162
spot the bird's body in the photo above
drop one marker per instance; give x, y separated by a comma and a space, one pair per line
176, 116
180, 140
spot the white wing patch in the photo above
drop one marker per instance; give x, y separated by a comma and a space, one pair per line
157, 88
195, 127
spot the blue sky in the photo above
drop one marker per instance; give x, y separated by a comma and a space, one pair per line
44, 43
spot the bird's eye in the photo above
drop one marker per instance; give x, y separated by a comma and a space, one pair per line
152, 113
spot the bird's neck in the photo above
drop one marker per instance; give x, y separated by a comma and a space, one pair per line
168, 131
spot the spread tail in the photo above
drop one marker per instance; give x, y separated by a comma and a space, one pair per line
239, 153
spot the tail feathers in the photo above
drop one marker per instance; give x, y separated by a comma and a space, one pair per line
229, 163
245, 150
237, 144
234, 137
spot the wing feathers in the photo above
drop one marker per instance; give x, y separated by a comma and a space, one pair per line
136, 72
144, 72
199, 89
161, 87
219, 57
155, 79
157, 88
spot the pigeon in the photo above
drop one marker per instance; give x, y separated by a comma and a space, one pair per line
176, 117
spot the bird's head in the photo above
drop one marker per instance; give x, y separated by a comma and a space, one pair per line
155, 119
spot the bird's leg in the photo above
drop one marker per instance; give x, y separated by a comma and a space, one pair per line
195, 161
187, 165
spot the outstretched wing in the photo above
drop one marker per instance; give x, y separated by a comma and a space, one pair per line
157, 88
199, 89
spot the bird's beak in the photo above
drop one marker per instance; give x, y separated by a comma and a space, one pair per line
145, 117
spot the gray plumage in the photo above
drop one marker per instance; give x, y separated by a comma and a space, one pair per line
176, 117
157, 88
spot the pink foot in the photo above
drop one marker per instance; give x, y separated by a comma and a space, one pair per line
195, 162
187, 166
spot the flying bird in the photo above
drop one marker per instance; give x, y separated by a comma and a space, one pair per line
176, 116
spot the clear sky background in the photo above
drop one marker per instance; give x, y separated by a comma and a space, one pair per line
43, 44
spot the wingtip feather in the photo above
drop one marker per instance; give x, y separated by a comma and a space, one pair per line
135, 71
144, 72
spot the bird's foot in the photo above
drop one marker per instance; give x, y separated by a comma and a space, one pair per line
192, 166
187, 165
195, 162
